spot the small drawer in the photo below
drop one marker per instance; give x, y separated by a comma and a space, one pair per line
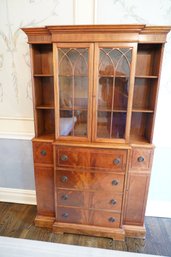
141, 158
72, 215
71, 179
104, 219
108, 159
43, 153
105, 200
72, 157
106, 181
70, 198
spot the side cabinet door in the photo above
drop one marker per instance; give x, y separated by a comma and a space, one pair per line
44, 190
137, 185
136, 198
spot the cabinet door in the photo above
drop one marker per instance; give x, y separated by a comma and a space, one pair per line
73, 93
114, 78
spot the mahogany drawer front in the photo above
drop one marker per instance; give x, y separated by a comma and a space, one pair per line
109, 159
141, 158
72, 215
71, 179
91, 158
70, 198
72, 157
43, 152
105, 200
104, 219
105, 181
90, 180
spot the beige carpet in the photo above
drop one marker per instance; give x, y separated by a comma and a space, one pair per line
12, 247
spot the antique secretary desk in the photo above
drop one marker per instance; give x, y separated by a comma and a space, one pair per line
95, 94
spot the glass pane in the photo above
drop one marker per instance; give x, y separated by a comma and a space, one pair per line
118, 124
73, 91
103, 124
113, 87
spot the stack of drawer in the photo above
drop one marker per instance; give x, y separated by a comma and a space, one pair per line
89, 185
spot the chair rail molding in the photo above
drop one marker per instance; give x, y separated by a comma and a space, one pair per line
16, 127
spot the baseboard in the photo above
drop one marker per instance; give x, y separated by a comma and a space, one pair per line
158, 209
12, 195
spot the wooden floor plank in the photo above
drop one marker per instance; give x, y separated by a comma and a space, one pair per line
17, 220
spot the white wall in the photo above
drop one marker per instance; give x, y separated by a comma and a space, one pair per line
16, 116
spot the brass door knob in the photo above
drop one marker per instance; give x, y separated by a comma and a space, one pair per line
64, 157
64, 197
116, 161
65, 215
115, 182
140, 159
64, 179
43, 152
113, 201
111, 219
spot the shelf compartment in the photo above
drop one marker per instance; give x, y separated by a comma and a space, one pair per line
141, 127
148, 59
111, 124
42, 59
113, 93
44, 91
145, 91
45, 122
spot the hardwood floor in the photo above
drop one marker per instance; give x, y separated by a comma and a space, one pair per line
17, 220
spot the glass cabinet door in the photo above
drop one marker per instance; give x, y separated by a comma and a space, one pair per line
73, 67
112, 89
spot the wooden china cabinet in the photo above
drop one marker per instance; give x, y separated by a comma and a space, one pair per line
95, 94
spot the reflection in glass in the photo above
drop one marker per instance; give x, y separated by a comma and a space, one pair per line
113, 87
73, 91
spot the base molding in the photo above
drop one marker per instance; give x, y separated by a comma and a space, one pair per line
134, 231
12, 195
44, 221
116, 234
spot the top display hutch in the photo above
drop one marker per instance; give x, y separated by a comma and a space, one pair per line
95, 95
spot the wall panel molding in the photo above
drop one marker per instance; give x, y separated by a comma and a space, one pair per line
12, 195
16, 127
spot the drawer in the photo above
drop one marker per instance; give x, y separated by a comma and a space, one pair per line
70, 198
141, 158
91, 158
71, 179
90, 180
43, 152
105, 181
72, 215
104, 219
108, 159
105, 200
72, 157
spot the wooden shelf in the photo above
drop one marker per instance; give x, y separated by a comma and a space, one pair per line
146, 77
45, 107
143, 110
43, 75
75, 75
109, 110
76, 108
112, 76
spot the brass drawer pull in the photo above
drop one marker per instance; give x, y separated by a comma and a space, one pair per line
115, 182
116, 161
113, 201
43, 152
64, 197
64, 179
64, 157
65, 215
111, 219
140, 159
